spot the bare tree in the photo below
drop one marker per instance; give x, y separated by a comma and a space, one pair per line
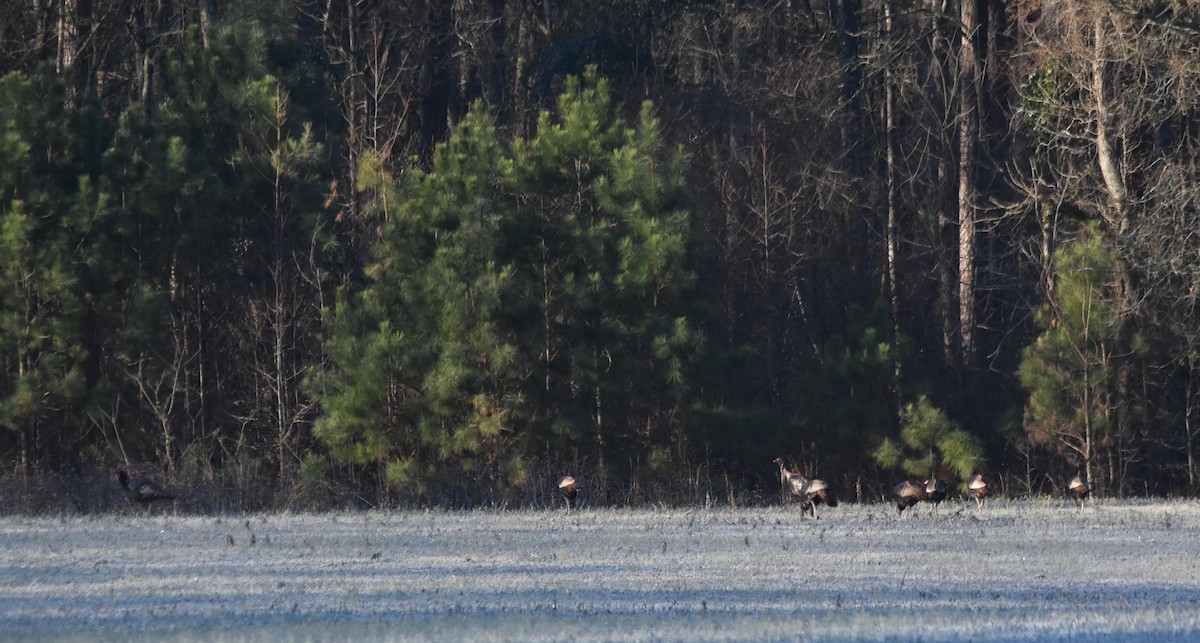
1105, 91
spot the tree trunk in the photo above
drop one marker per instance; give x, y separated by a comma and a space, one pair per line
940, 170
1087, 411
1189, 410
1048, 215
1110, 170
1106, 153
68, 35
968, 129
889, 106
278, 313
208, 20
856, 233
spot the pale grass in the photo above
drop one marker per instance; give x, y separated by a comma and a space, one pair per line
1040, 570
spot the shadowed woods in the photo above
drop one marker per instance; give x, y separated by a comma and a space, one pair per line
314, 255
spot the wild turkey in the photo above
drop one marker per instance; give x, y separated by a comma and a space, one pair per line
907, 495
978, 489
811, 492
793, 481
935, 492
790, 480
568, 490
815, 492
141, 489
1079, 490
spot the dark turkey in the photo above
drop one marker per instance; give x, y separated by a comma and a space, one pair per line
907, 495
141, 489
935, 492
978, 489
568, 490
1079, 490
811, 492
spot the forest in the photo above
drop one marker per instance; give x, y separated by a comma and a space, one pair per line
311, 253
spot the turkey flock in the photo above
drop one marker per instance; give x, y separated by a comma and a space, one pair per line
813, 492
907, 494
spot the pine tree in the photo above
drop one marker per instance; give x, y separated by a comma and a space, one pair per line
526, 295
45, 215
210, 308
931, 444
1069, 369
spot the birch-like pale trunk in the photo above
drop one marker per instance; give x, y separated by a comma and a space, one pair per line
890, 143
968, 128
1106, 153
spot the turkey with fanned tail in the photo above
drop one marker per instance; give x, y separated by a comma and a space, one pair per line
978, 488
1079, 490
907, 495
568, 489
811, 492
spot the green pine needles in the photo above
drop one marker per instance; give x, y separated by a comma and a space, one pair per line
528, 299
1071, 370
931, 444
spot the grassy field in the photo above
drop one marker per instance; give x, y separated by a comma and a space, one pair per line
1119, 571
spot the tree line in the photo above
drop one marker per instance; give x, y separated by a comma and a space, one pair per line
442, 253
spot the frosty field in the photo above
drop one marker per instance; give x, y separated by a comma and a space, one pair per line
1019, 571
